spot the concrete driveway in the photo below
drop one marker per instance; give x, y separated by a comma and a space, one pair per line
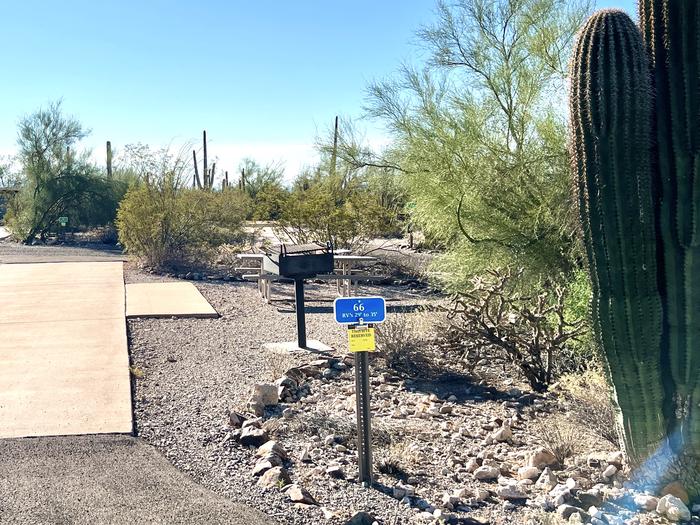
64, 370
64, 362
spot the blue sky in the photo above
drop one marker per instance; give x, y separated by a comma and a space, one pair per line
263, 77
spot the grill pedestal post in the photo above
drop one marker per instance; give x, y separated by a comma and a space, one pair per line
301, 315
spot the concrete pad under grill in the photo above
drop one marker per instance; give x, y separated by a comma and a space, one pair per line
166, 300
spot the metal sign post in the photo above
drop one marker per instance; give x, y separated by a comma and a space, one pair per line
353, 312
364, 430
301, 314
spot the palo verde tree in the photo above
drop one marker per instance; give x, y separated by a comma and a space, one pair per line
480, 135
57, 179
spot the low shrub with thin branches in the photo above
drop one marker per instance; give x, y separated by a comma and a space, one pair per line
530, 330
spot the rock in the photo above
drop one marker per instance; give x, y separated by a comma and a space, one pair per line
256, 422
565, 511
252, 436
305, 456
261, 467
471, 465
329, 440
450, 501
646, 502
335, 471
511, 493
298, 494
576, 517
256, 408
560, 495
271, 447
480, 495
361, 518
541, 458
676, 489
486, 473
673, 508
310, 370
590, 498
547, 478
532, 473
616, 458
265, 393
401, 491
274, 477
502, 435
236, 419
341, 449
610, 471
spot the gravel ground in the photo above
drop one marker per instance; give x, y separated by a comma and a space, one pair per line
432, 434
195, 370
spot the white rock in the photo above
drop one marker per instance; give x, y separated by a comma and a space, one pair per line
646, 501
547, 479
510, 493
531, 473
541, 458
616, 458
673, 508
610, 471
485, 473
502, 435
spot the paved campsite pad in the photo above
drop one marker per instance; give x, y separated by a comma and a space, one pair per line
64, 364
166, 300
105, 480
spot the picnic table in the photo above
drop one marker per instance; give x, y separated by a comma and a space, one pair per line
344, 276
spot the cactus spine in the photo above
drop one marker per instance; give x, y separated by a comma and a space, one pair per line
610, 108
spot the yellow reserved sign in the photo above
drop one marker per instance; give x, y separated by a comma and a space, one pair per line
361, 339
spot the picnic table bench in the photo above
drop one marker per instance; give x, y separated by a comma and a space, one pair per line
345, 265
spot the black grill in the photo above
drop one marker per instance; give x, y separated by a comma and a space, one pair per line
299, 260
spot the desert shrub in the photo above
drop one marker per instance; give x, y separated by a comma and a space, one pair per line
404, 342
77, 191
56, 179
162, 222
396, 459
396, 341
589, 397
333, 209
581, 352
529, 329
559, 437
269, 202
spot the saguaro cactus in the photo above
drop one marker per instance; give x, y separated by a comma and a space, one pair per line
671, 30
635, 111
610, 109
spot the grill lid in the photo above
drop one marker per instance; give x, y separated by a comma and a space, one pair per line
300, 249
